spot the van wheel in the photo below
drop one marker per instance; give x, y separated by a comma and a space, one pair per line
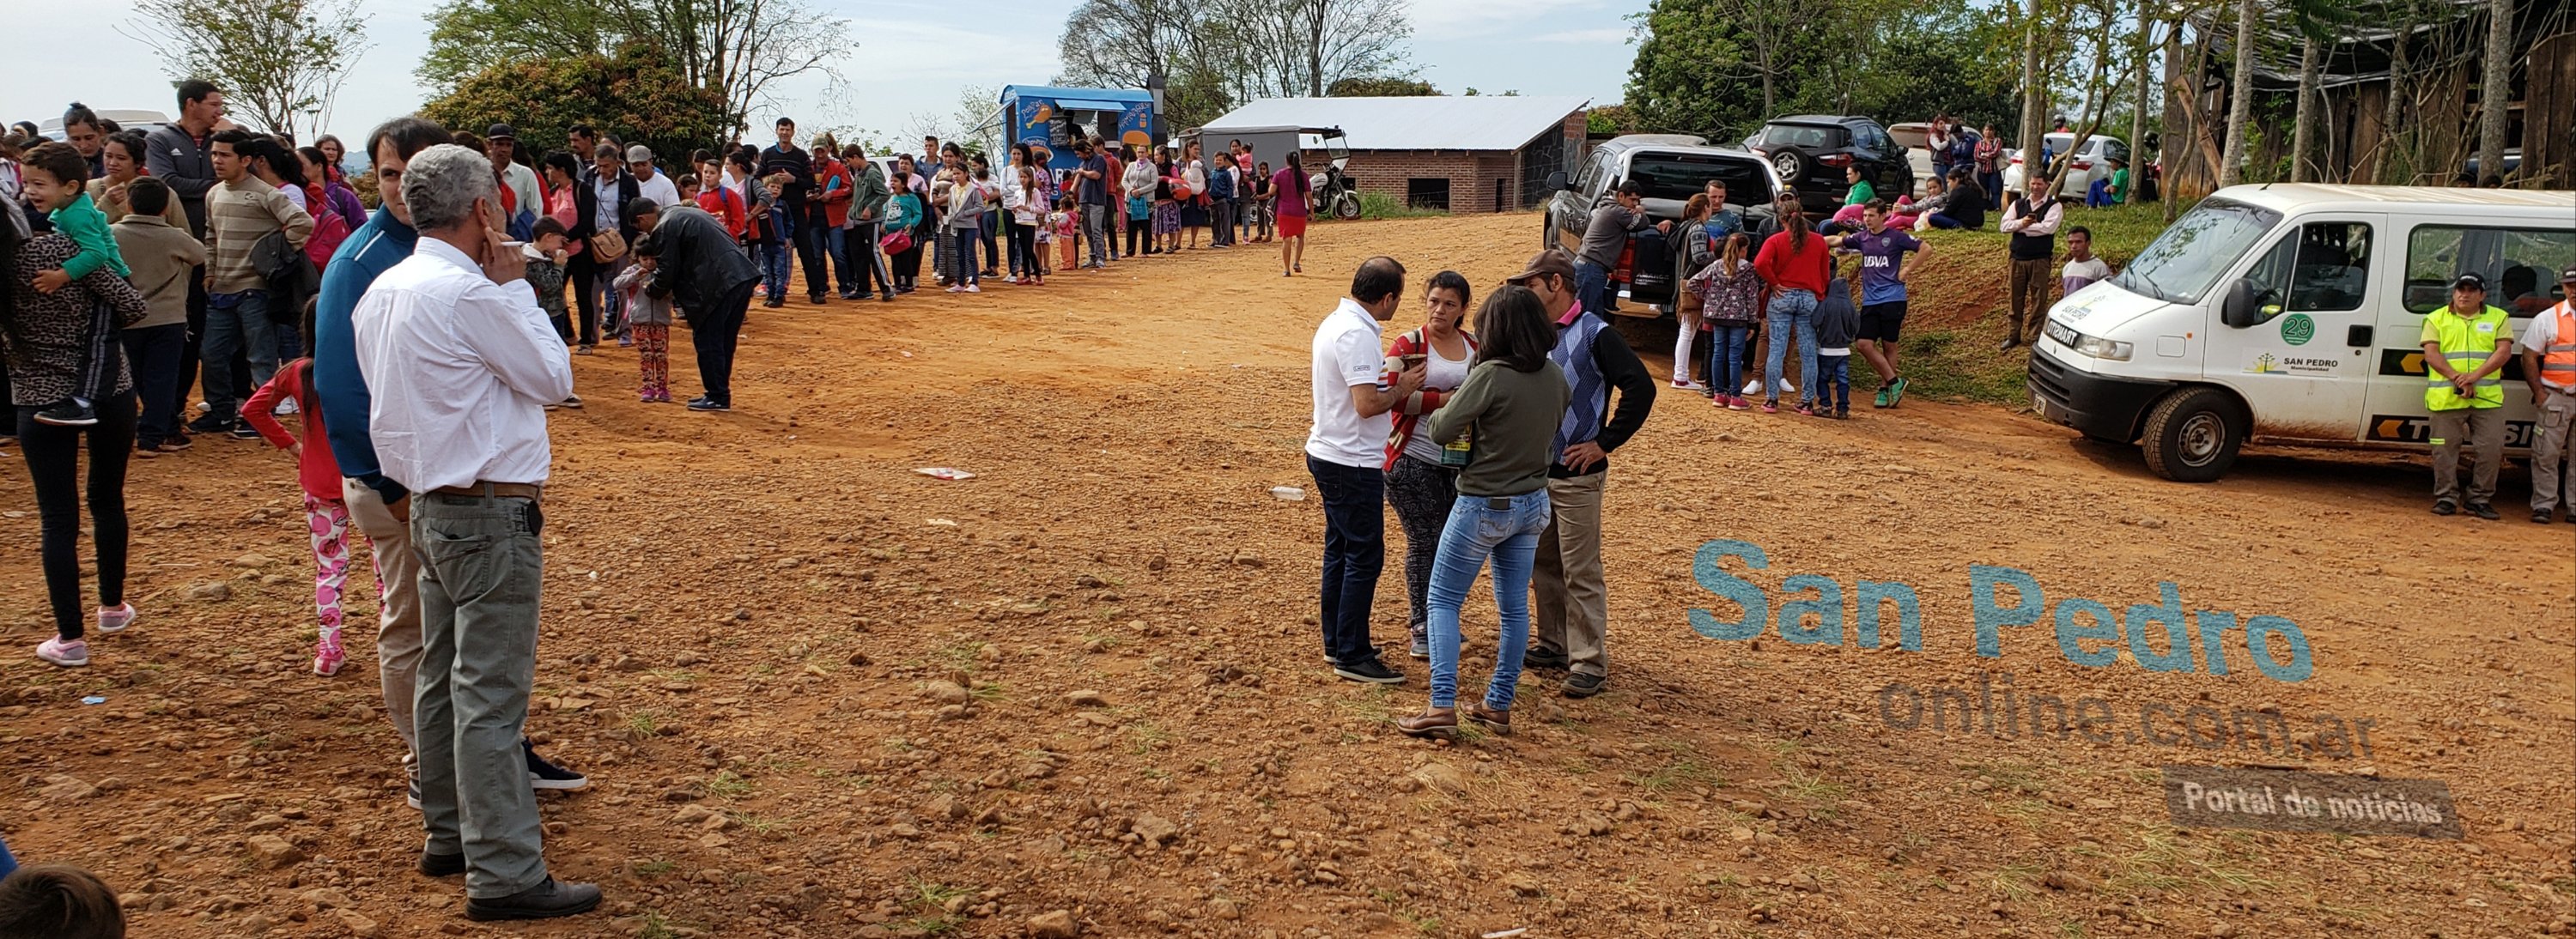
2193, 435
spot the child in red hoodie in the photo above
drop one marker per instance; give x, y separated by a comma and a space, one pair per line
326, 515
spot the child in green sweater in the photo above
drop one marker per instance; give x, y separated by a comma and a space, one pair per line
57, 179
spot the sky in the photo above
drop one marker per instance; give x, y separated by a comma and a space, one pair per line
907, 62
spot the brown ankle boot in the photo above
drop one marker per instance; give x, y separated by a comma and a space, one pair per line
1432, 722
1500, 722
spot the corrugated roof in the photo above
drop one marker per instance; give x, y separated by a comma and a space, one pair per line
1446, 122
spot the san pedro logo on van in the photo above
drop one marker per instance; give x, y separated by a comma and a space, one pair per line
2297, 329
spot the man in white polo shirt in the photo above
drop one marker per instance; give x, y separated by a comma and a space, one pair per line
1344, 452
460, 363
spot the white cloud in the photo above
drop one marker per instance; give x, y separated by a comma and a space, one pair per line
1607, 35
1480, 17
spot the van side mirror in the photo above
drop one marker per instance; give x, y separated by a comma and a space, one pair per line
1558, 180
2237, 309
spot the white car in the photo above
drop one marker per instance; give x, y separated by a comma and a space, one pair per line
2092, 162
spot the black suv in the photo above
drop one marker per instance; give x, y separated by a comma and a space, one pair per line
1670, 168
1811, 151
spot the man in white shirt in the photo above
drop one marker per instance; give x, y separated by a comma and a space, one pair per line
461, 363
2082, 268
649, 182
1344, 451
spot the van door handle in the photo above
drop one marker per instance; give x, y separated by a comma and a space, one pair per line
2357, 337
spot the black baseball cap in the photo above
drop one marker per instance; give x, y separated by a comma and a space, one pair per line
501, 132
2568, 276
2469, 281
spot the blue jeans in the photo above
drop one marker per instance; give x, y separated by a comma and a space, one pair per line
1791, 308
1354, 554
1475, 531
1993, 184
1726, 358
836, 246
1833, 373
773, 269
1944, 221
968, 272
1592, 287
236, 324
153, 353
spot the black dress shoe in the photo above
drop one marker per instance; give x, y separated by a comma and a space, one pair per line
1539, 658
544, 901
2483, 510
442, 865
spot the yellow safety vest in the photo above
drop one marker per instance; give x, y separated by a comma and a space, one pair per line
2558, 359
2466, 344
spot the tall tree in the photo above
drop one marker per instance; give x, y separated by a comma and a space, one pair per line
281, 63
1300, 47
2034, 96
2495, 88
637, 93
738, 49
1126, 43
2304, 116
1372, 87
2384, 153
2240, 97
2142, 53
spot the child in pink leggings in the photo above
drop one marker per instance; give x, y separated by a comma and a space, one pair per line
326, 516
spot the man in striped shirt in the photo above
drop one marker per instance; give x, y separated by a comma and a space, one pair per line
240, 210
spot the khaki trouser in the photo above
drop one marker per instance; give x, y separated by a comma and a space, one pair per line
482, 570
2482, 429
2030, 282
2550, 453
1573, 603
398, 631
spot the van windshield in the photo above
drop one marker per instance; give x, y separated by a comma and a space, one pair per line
2185, 262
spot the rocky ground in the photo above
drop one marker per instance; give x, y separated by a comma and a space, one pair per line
820, 694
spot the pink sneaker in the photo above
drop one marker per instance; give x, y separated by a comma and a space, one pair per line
1737, 403
328, 655
115, 621
73, 654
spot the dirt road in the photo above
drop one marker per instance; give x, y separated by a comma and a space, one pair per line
754, 620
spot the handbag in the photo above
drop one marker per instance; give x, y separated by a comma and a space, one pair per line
607, 245
897, 242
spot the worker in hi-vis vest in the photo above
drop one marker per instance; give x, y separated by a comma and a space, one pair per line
2549, 367
2465, 347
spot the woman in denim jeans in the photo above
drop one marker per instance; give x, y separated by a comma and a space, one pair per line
1508, 409
1793, 263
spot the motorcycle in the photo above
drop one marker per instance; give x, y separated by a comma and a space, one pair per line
1334, 192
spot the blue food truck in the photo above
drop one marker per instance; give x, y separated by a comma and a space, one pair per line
1051, 116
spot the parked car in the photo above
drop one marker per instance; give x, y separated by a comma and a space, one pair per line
2090, 163
139, 120
1670, 168
2512, 161
1810, 153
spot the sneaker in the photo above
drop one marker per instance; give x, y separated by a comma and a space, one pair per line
1803, 410
326, 662
1688, 385
2008, 345
571, 401
244, 432
1842, 414
1421, 647
974, 288
2446, 507
1543, 659
175, 444
2483, 510
1580, 685
583, 350
2540, 518
704, 404
956, 288
1770, 407
209, 424
1879, 400
411, 797
285, 407
70, 413
772, 303
115, 621
73, 654
147, 451
439, 865
1369, 670
547, 900
1896, 391
546, 775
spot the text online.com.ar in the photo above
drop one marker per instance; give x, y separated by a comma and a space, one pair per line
1991, 704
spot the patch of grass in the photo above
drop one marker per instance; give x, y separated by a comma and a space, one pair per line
932, 900
656, 926
1149, 737
1678, 773
1378, 205
1812, 788
2030, 813
1105, 640
2164, 862
644, 723
655, 868
728, 785
986, 691
2017, 881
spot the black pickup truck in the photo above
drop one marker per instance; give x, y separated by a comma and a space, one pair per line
1670, 168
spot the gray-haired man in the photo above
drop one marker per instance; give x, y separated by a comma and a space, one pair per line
461, 363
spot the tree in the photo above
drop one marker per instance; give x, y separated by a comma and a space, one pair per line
2240, 97
1293, 48
2034, 97
1374, 87
2495, 88
2304, 114
638, 95
1719, 68
737, 49
1127, 43
280, 63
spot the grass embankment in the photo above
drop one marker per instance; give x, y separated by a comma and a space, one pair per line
1959, 307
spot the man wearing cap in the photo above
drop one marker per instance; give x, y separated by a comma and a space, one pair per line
1345, 449
1605, 236
501, 144
2549, 367
1573, 596
2465, 347
651, 183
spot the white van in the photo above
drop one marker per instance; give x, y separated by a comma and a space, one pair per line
2291, 314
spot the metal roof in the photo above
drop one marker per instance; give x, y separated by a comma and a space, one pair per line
1444, 122
1121, 96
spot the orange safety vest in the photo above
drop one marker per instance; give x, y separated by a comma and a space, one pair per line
2558, 360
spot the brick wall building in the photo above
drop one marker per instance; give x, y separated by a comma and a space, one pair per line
1462, 154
